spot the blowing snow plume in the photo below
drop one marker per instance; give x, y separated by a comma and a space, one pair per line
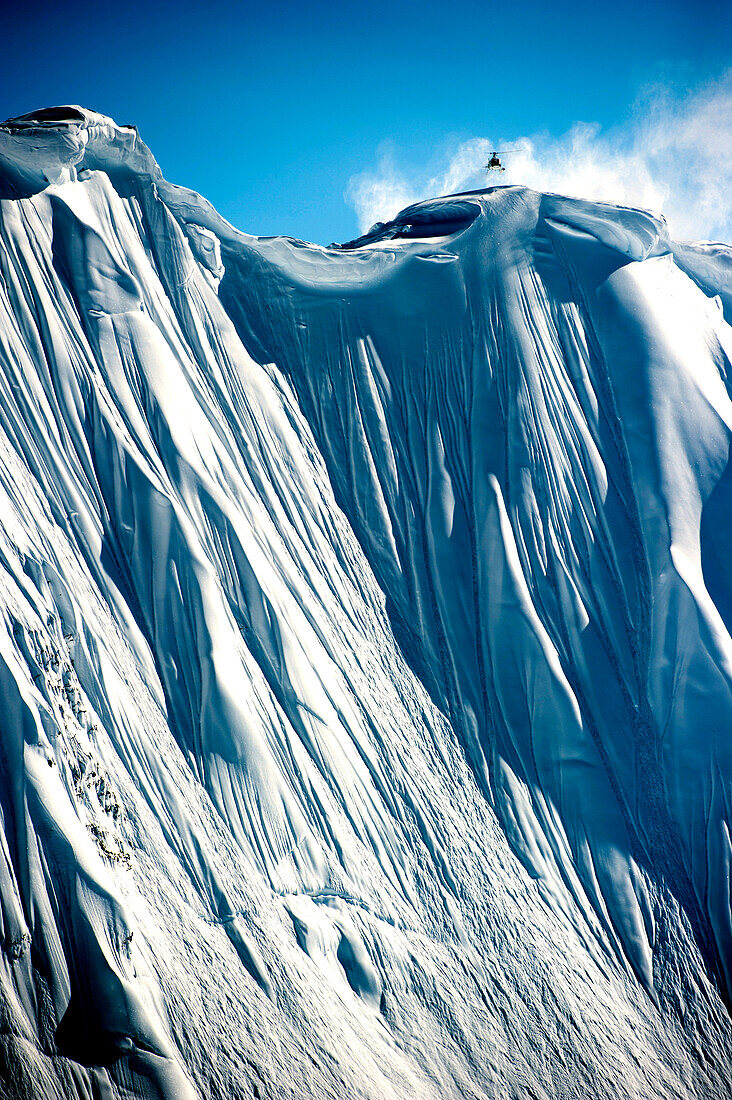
364, 646
674, 156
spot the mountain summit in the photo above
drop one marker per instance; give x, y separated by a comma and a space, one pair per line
366, 723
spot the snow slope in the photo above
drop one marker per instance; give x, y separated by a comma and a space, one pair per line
365, 654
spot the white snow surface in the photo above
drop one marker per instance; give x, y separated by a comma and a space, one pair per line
366, 675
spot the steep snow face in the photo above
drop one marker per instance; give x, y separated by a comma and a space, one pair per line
523, 404
364, 645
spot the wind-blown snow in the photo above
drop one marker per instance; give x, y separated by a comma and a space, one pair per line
673, 153
365, 656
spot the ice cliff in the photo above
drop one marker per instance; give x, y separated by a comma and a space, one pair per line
365, 658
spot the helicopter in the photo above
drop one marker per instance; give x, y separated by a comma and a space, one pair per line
494, 164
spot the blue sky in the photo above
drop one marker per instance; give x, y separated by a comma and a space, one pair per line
272, 110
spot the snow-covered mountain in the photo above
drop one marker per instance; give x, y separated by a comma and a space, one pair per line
366, 705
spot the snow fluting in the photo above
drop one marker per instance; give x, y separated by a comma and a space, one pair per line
365, 658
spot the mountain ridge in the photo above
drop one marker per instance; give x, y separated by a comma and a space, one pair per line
365, 689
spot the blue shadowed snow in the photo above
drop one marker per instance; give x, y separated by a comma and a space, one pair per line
364, 650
